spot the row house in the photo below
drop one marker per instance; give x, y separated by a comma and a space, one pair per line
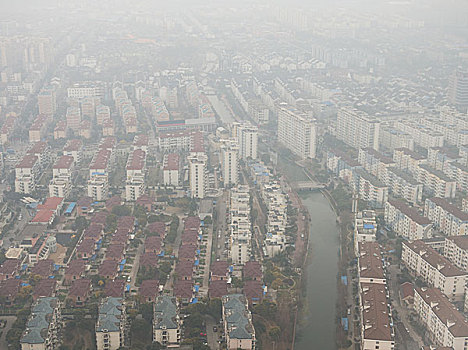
448, 218
406, 221
435, 269
445, 325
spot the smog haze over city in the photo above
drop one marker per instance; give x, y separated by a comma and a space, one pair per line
219, 174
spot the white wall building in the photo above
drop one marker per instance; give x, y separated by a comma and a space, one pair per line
197, 175
357, 129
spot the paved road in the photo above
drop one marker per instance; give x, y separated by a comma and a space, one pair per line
206, 272
224, 113
136, 265
10, 320
402, 311
219, 237
170, 281
212, 337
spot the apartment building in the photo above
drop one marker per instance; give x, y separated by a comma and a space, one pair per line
171, 169
374, 162
342, 164
42, 151
435, 182
79, 91
297, 132
456, 250
73, 118
240, 225
369, 188
111, 324
237, 323
406, 221
448, 218
102, 114
60, 185
435, 269
47, 101
392, 138
98, 183
135, 183
198, 175
459, 173
402, 184
408, 160
177, 141
74, 148
166, 321
421, 134
357, 129
38, 128
258, 111
440, 158
26, 174
230, 162
446, 326
44, 326
247, 139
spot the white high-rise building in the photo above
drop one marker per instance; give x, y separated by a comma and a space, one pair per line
197, 175
247, 135
229, 162
297, 132
357, 129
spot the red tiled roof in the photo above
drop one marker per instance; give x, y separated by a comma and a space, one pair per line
407, 290
27, 162
153, 244
51, 203
64, 162
75, 268
43, 216
253, 290
149, 288
218, 289
183, 289
45, 288
219, 268
252, 270
108, 268
9, 288
80, 288
115, 288
42, 268
149, 259
9, 267
184, 269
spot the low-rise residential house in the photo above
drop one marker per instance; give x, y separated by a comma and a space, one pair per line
377, 325
44, 326
111, 324
166, 322
149, 290
79, 291
237, 322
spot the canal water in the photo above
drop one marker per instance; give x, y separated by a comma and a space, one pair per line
317, 328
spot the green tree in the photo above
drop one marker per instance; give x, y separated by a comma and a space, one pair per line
121, 210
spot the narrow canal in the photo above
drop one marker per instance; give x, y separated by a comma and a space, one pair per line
317, 328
